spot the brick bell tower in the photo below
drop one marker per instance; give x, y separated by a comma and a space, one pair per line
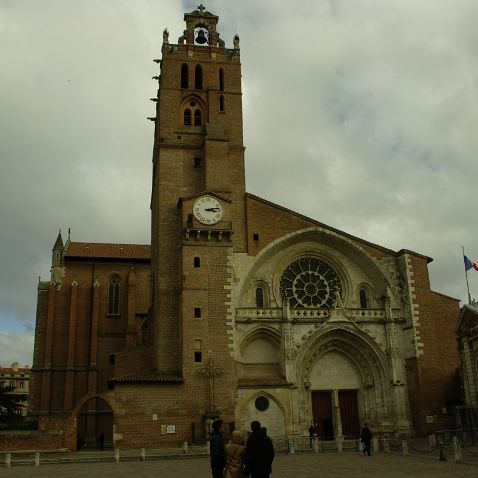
197, 212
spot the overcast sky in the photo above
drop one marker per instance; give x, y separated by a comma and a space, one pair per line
361, 114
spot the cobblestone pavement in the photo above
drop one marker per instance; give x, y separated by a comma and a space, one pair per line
299, 465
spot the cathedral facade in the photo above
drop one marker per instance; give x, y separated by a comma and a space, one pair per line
239, 308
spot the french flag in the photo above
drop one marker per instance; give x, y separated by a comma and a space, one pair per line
470, 265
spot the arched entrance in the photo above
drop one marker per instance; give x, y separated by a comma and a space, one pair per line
335, 383
95, 417
348, 381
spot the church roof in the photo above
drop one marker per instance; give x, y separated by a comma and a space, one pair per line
108, 251
150, 376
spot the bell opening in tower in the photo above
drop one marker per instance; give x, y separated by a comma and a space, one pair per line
201, 36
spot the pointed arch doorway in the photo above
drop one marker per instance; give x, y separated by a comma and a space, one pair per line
95, 417
335, 384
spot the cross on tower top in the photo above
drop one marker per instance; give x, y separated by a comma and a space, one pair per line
201, 8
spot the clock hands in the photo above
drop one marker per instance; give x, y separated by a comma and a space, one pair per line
212, 209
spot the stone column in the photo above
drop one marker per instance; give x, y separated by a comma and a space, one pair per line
400, 398
337, 419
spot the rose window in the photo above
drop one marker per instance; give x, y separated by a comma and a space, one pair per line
310, 282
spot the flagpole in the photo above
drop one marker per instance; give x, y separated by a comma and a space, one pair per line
466, 275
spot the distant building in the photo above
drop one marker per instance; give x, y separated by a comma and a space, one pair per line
239, 308
19, 378
467, 334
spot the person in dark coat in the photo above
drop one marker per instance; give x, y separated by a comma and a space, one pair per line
312, 434
101, 440
366, 439
259, 453
217, 449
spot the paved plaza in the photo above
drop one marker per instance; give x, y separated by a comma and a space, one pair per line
299, 465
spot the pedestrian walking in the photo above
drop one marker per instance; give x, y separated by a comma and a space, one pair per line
235, 457
366, 439
259, 453
217, 450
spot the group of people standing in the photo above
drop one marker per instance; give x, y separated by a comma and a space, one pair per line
236, 460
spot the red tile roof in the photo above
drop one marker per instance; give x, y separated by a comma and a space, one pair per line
150, 376
110, 251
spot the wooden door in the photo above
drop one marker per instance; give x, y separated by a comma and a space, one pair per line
349, 415
323, 414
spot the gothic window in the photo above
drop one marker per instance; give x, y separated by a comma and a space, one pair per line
192, 115
363, 298
310, 282
197, 262
221, 79
261, 294
259, 297
198, 77
184, 76
113, 295
221, 103
197, 118
187, 117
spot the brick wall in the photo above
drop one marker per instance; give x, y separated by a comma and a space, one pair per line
432, 375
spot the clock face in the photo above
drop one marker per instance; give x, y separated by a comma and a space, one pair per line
207, 210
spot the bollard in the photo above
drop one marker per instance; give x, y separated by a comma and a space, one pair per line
385, 445
432, 441
339, 444
37, 459
316, 445
8, 460
375, 445
291, 447
207, 444
142, 454
360, 445
404, 448
442, 452
457, 455
185, 447
116, 455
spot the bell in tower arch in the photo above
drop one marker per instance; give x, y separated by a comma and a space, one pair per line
201, 36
